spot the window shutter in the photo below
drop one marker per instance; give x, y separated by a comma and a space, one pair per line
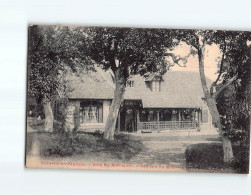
100, 114
204, 118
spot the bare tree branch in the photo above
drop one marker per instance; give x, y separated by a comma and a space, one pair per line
177, 59
224, 86
112, 58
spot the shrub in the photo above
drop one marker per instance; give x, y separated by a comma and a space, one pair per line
65, 144
69, 144
204, 156
241, 161
210, 156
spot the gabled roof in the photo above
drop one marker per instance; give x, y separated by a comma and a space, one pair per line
93, 85
179, 89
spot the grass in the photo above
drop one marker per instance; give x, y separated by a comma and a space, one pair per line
81, 145
84, 145
38, 125
210, 157
124, 147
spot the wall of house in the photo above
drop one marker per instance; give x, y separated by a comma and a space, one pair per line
106, 108
73, 119
72, 115
206, 125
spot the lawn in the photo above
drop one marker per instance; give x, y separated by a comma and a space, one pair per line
77, 145
209, 157
201, 157
84, 146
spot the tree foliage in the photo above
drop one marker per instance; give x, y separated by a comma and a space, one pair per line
126, 51
233, 102
50, 50
43, 63
134, 50
129, 51
233, 59
233, 74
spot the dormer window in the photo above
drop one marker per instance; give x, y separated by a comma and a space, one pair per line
156, 85
130, 83
153, 81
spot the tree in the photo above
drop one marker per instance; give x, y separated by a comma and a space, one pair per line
43, 68
233, 103
231, 66
126, 51
50, 49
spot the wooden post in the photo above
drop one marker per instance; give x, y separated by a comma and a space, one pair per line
138, 120
179, 117
199, 119
194, 118
157, 120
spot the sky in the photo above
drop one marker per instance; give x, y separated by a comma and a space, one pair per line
213, 55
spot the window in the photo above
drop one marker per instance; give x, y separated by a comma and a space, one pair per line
155, 85
91, 112
130, 83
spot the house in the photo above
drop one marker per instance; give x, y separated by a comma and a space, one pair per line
173, 101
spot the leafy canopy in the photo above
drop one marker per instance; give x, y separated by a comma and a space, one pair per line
50, 50
232, 102
134, 50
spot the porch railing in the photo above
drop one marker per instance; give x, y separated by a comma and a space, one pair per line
166, 125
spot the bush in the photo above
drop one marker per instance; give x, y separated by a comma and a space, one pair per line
72, 144
241, 162
204, 156
65, 144
210, 157
236, 135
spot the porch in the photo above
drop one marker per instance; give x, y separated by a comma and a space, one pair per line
136, 119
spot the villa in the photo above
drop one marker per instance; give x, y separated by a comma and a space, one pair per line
173, 101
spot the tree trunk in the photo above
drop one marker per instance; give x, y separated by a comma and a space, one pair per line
227, 149
49, 118
227, 146
211, 103
120, 82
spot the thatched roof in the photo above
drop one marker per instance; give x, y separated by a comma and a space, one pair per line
179, 89
93, 85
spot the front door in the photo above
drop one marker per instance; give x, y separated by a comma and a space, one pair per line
130, 123
128, 120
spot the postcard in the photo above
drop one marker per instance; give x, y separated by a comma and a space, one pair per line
138, 99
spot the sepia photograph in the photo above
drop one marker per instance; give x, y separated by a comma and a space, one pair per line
138, 99
127, 97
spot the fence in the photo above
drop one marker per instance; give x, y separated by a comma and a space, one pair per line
166, 125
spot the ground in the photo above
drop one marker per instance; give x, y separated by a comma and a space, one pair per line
189, 152
161, 148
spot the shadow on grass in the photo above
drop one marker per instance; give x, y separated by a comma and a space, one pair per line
209, 157
80, 144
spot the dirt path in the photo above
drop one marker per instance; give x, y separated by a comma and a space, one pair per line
167, 151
